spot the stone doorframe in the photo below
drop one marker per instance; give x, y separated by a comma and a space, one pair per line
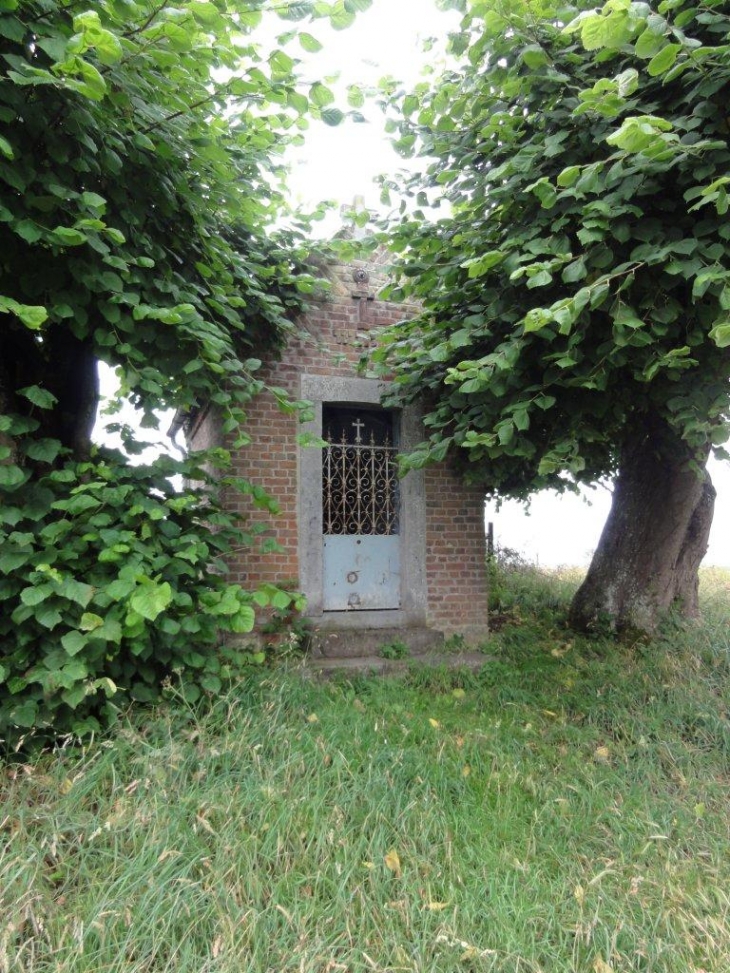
319, 389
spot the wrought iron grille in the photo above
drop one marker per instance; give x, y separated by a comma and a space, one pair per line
359, 487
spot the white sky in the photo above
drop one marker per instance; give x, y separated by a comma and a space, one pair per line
341, 163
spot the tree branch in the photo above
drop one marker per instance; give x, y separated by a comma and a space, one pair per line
184, 111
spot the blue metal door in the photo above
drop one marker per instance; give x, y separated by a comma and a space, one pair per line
360, 511
361, 572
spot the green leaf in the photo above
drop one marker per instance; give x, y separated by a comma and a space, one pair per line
534, 56
309, 43
31, 232
521, 420
281, 65
79, 503
541, 279
720, 334
648, 44
574, 271
38, 396
355, 96
76, 591
664, 60
320, 95
150, 599
75, 695
110, 631
205, 13
537, 319
36, 594
606, 29
280, 600
74, 671
33, 316
11, 476
68, 236
211, 683
119, 589
48, 617
569, 176
243, 621
43, 450
10, 561
341, 18
544, 401
626, 317
94, 201
293, 10
25, 713
90, 621
332, 116
74, 642
477, 266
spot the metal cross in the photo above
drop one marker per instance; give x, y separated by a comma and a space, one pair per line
358, 425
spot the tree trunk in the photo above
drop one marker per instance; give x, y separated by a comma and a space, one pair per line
75, 383
64, 365
649, 554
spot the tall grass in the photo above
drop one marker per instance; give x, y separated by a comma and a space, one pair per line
564, 810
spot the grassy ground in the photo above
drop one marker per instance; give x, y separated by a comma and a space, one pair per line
565, 810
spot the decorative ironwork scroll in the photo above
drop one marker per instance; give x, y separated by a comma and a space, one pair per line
359, 487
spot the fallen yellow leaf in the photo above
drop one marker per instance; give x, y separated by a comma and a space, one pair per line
312, 718
559, 653
437, 906
602, 754
392, 861
433, 722
601, 966
465, 770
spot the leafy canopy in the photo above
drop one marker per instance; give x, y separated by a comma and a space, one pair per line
581, 280
140, 171
139, 166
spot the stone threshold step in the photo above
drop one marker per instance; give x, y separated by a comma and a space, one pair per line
378, 666
367, 643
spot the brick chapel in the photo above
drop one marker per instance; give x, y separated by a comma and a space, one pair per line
376, 555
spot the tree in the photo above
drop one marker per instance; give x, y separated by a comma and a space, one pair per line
139, 176
576, 298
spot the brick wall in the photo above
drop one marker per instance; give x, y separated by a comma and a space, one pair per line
455, 554
329, 341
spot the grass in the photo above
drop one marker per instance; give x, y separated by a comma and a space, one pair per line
565, 810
